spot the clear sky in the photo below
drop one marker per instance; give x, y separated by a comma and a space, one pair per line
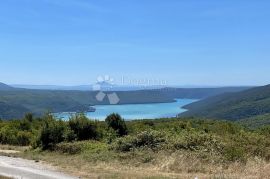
185, 42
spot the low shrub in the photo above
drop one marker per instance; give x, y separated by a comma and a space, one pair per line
24, 138
69, 148
233, 154
195, 141
146, 139
109, 135
79, 147
8, 136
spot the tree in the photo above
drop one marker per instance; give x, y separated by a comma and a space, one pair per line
83, 128
116, 122
52, 132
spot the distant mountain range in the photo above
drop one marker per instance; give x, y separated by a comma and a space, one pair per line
104, 86
15, 102
249, 104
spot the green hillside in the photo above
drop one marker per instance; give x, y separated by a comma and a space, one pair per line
11, 110
256, 121
233, 106
15, 102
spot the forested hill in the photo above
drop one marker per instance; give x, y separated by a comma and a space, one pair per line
15, 102
233, 106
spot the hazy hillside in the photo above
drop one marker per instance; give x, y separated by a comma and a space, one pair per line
5, 87
199, 93
233, 106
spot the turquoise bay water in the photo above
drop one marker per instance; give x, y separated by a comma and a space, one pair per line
137, 111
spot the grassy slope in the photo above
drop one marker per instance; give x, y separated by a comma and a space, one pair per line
233, 106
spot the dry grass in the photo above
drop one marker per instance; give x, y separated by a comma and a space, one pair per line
163, 165
145, 165
2, 177
8, 150
14, 148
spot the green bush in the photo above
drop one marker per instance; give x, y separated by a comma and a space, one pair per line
116, 122
12, 136
83, 128
109, 135
25, 125
195, 141
24, 138
146, 139
8, 136
52, 133
234, 153
73, 148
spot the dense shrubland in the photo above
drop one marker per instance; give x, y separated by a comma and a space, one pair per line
215, 141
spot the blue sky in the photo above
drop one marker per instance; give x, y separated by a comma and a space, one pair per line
185, 42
